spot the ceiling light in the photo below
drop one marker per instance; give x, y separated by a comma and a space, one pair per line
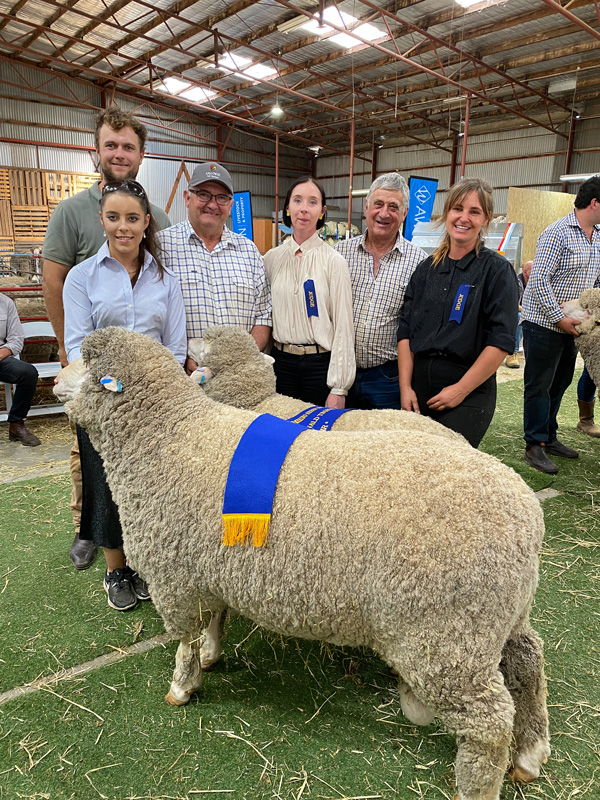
174, 85
567, 85
276, 110
197, 94
315, 148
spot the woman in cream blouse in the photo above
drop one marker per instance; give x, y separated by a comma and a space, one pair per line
313, 329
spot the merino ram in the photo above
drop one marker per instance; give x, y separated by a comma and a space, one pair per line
236, 373
426, 554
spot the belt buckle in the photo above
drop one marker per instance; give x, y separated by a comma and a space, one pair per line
298, 349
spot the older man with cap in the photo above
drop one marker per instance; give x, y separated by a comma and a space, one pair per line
221, 273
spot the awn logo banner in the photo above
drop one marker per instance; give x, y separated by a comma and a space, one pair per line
420, 206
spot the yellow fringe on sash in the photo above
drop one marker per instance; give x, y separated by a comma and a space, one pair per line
243, 528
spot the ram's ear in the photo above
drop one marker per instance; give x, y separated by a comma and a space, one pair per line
197, 349
269, 359
112, 384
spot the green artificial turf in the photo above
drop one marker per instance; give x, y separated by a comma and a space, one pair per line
277, 718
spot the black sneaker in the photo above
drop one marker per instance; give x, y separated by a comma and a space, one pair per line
117, 585
139, 585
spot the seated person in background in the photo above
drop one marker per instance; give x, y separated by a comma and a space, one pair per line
12, 370
125, 285
458, 320
313, 330
512, 360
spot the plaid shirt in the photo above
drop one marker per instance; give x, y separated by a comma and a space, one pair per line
565, 264
227, 286
377, 300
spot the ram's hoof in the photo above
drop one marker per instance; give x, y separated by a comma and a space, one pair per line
207, 665
520, 775
175, 701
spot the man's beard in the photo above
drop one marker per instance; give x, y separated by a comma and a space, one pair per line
109, 176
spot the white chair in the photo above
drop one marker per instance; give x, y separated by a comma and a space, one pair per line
46, 369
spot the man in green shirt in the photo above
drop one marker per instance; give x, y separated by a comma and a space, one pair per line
75, 233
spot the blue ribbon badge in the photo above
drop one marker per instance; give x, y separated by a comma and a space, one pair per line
460, 300
312, 310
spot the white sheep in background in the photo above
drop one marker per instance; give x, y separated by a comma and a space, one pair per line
236, 373
587, 309
426, 554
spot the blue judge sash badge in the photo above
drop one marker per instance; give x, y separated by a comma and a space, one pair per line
312, 309
458, 307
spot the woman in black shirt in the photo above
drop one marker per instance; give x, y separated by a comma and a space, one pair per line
458, 320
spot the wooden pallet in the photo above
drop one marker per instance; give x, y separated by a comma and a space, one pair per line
85, 181
27, 187
4, 184
30, 223
59, 185
6, 225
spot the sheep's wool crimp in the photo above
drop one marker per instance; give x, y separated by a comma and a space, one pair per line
252, 479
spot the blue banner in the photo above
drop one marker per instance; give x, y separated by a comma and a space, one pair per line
420, 205
241, 214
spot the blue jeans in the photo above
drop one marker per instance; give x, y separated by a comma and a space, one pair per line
25, 376
518, 335
376, 387
549, 366
586, 388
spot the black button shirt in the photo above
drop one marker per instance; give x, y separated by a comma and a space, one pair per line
489, 310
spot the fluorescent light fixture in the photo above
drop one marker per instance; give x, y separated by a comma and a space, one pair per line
577, 178
259, 71
175, 85
360, 192
197, 94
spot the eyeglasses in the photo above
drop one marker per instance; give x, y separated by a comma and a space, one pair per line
133, 187
206, 197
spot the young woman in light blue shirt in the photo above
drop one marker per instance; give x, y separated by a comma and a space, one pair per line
125, 285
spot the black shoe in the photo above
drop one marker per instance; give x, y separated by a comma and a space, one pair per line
538, 459
121, 596
139, 585
557, 448
82, 552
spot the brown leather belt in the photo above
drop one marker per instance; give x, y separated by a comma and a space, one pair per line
300, 349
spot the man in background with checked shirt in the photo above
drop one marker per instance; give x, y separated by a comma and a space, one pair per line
381, 262
567, 261
221, 273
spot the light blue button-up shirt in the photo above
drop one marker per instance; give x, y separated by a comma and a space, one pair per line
98, 293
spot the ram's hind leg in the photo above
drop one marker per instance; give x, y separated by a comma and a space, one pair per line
523, 668
481, 713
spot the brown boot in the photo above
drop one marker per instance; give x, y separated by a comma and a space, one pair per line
17, 432
586, 419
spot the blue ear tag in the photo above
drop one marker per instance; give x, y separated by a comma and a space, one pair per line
460, 300
110, 383
312, 310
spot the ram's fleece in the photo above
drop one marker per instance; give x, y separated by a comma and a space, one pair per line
587, 309
239, 375
426, 554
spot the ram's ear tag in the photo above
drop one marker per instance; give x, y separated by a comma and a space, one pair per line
110, 383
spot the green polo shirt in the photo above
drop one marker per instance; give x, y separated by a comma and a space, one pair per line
75, 232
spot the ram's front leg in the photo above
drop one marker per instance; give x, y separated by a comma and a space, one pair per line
210, 650
187, 675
